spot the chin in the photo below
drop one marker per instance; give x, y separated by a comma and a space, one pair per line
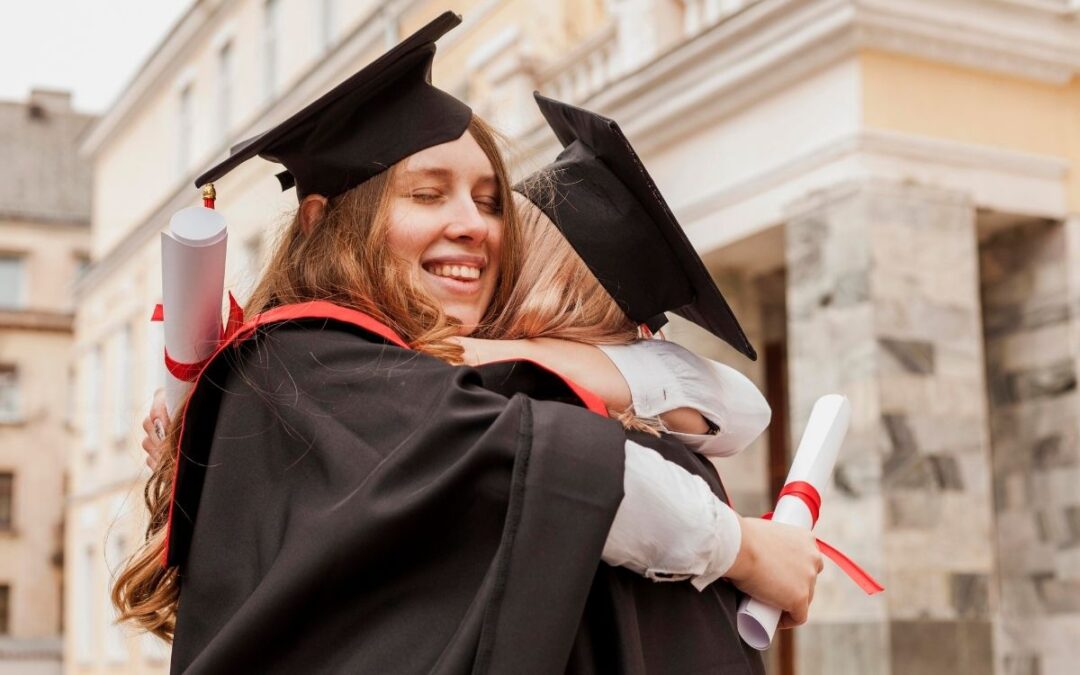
468, 320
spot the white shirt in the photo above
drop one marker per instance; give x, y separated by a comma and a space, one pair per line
670, 526
663, 376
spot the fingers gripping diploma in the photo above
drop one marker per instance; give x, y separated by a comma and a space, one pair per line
778, 565
813, 466
155, 424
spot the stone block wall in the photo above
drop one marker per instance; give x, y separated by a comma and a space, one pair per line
883, 306
1030, 329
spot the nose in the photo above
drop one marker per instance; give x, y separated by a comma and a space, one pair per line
467, 223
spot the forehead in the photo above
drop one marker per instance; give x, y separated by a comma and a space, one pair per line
461, 158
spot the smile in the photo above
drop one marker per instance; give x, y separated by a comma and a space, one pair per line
458, 272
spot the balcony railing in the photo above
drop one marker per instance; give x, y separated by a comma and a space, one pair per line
602, 59
586, 69
701, 14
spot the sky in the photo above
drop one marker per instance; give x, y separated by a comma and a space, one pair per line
92, 48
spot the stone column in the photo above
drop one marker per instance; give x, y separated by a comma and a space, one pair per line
1031, 293
883, 306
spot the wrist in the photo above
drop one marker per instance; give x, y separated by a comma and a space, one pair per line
746, 558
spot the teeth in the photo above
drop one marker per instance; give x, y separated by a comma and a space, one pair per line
455, 271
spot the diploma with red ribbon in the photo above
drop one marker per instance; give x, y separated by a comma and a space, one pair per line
193, 282
799, 504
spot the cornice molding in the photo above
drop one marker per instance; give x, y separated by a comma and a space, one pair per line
869, 142
773, 43
1027, 41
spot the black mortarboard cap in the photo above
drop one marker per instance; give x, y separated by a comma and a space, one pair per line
382, 114
599, 195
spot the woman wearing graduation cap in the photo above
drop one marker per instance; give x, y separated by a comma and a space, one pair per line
591, 221
338, 499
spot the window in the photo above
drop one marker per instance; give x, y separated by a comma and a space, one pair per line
271, 19
115, 638
121, 381
225, 86
12, 282
184, 126
7, 489
84, 592
154, 649
71, 398
92, 400
154, 375
9, 393
82, 263
5, 609
248, 268
326, 24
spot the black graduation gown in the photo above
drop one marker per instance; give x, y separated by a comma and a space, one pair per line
345, 505
632, 625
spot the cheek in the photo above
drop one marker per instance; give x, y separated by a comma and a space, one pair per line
495, 237
405, 235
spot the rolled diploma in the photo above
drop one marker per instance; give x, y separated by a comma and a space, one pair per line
192, 284
813, 463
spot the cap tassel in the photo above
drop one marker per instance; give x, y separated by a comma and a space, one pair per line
209, 195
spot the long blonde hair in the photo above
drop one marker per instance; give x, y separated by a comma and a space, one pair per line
344, 259
555, 295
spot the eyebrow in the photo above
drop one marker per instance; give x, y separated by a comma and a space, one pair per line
431, 172
444, 174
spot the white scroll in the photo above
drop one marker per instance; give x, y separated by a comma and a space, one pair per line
813, 464
193, 283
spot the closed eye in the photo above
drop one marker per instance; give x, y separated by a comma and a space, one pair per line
426, 196
488, 204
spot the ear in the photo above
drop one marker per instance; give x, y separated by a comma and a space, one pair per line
312, 209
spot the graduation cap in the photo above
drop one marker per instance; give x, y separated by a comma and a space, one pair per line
379, 116
599, 195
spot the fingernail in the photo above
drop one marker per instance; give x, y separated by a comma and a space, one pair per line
159, 429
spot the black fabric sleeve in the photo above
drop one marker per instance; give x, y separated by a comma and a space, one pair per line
356, 507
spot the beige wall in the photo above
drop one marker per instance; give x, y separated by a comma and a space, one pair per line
37, 340
917, 96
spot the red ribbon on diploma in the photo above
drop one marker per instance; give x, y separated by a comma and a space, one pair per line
809, 496
188, 372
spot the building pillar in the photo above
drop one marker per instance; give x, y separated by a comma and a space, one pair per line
883, 307
1031, 294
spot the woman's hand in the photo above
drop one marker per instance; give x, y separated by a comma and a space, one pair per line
155, 425
474, 348
778, 564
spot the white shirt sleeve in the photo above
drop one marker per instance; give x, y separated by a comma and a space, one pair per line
663, 376
669, 525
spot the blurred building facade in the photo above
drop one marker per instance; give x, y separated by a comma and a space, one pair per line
44, 241
885, 190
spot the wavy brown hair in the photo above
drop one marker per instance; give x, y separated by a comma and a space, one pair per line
343, 259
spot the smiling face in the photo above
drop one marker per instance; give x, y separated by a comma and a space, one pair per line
445, 218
